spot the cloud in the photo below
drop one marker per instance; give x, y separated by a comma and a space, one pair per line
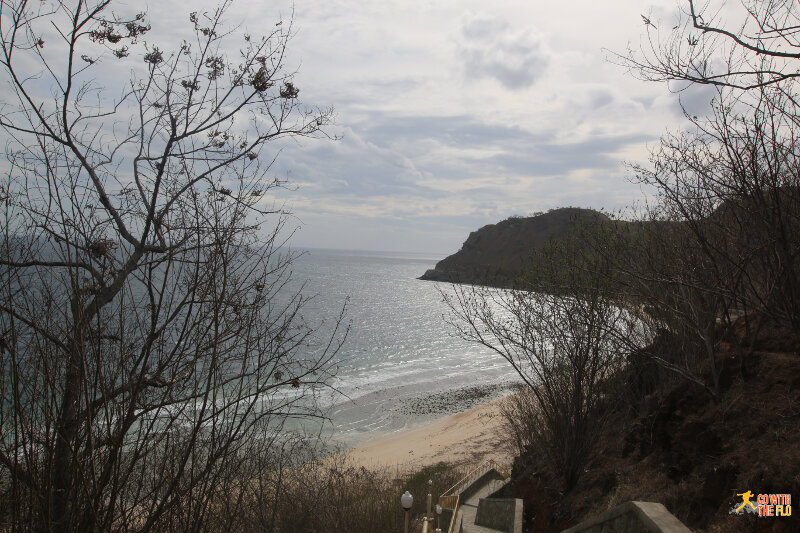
450, 121
491, 48
599, 97
406, 167
462, 147
694, 100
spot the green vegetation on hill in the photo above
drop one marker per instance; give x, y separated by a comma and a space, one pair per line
497, 254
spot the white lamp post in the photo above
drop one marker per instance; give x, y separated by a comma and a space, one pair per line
428, 512
438, 517
406, 500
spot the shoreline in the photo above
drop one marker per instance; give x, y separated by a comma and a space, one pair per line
467, 437
405, 407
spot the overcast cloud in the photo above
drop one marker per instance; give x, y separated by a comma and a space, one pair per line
491, 48
456, 114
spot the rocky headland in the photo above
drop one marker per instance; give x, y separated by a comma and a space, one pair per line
497, 253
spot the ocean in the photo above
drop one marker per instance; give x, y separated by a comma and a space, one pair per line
401, 365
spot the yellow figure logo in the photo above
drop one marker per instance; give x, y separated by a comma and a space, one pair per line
746, 501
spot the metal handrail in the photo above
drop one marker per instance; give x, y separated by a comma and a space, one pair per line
455, 489
452, 495
471, 476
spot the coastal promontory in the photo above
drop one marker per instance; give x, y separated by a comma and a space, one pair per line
497, 253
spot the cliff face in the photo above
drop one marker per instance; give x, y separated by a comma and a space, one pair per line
497, 253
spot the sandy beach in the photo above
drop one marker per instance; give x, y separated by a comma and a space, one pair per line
468, 437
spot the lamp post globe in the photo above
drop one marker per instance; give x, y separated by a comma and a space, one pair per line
406, 500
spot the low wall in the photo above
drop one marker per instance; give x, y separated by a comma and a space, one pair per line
499, 513
632, 517
445, 518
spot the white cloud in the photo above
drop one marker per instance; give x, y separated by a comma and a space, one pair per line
454, 114
491, 47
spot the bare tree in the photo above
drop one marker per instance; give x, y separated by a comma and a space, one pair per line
752, 45
151, 354
566, 333
721, 243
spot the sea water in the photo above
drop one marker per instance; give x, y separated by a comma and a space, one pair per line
402, 364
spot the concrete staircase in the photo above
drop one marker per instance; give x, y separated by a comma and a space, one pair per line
472, 507
469, 508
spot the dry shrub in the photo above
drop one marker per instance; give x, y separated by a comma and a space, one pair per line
520, 420
335, 494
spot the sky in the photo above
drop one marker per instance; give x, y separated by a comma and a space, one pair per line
456, 114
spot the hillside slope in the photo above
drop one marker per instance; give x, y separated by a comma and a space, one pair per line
696, 455
496, 253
